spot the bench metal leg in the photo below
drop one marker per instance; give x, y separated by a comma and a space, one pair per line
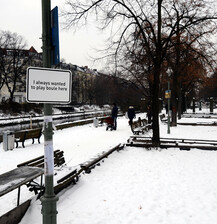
18, 196
41, 179
41, 182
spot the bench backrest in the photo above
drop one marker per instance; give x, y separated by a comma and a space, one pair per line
20, 135
39, 161
139, 123
33, 133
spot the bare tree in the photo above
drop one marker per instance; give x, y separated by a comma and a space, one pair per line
3, 44
188, 45
13, 61
191, 51
147, 22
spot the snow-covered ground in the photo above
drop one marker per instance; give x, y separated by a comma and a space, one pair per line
132, 186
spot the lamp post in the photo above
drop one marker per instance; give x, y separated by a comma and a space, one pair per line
168, 97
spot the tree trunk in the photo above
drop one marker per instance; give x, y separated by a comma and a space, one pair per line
174, 109
180, 103
157, 71
155, 107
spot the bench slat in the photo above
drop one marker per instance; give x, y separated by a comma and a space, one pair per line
39, 163
17, 177
67, 176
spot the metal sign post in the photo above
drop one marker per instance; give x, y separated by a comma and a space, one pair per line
49, 200
45, 85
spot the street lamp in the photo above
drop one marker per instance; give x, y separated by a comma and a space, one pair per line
169, 72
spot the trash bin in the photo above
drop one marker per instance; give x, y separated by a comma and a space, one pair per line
8, 140
95, 122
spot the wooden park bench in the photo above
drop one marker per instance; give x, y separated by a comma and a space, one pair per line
59, 160
163, 117
14, 179
38, 162
22, 136
140, 126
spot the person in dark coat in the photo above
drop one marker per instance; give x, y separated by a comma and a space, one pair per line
115, 115
131, 114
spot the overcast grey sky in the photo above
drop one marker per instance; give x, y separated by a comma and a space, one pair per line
24, 18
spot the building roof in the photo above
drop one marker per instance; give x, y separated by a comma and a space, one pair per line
32, 49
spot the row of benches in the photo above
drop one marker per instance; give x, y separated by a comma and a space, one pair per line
137, 127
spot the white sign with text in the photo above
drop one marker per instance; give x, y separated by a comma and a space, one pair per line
48, 85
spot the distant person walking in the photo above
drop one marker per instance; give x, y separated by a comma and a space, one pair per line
115, 115
131, 114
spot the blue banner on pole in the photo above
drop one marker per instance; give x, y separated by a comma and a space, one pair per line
55, 36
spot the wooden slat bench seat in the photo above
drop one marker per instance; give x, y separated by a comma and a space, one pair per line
22, 136
14, 179
182, 144
69, 176
87, 166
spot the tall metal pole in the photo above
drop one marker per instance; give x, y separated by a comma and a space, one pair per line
168, 120
49, 199
194, 105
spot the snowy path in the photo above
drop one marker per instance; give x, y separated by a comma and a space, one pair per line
136, 186
132, 186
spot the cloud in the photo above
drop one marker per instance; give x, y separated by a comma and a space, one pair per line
25, 18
